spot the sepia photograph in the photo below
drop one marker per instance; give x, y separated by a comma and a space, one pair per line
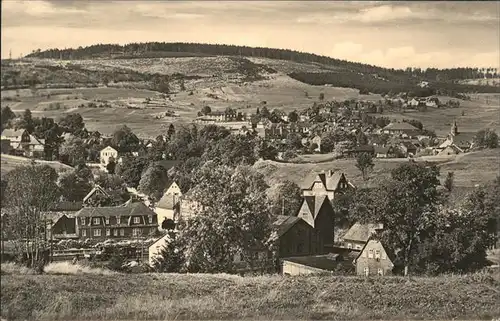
250, 160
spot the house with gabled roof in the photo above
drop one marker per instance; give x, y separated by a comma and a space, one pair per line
296, 237
132, 220
317, 211
327, 183
97, 191
404, 129
357, 236
375, 259
169, 205
463, 140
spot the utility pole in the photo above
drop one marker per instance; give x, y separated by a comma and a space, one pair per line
10, 54
283, 205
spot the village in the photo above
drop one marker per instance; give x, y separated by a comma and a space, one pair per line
309, 240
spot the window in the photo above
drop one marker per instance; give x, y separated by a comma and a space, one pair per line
384, 255
84, 232
122, 232
137, 220
136, 232
108, 232
358, 247
107, 220
97, 232
349, 245
150, 219
83, 220
380, 272
367, 271
370, 254
118, 220
115, 232
377, 254
96, 221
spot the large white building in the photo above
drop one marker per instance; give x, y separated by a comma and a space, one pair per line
107, 154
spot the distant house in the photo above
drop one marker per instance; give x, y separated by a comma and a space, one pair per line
381, 151
155, 249
169, 205
327, 183
61, 217
408, 148
132, 220
414, 102
317, 140
357, 236
296, 237
64, 228
401, 128
23, 143
96, 192
464, 141
374, 259
318, 212
15, 137
450, 150
432, 102
107, 154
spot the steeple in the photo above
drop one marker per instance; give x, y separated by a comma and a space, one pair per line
454, 128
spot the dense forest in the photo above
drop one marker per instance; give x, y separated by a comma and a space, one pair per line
162, 49
378, 85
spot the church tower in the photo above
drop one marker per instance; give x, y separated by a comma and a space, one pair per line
454, 129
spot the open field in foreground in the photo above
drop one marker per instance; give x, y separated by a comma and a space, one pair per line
197, 297
470, 169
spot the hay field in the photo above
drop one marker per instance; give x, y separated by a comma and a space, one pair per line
226, 297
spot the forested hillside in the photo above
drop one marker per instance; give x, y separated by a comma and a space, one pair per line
157, 49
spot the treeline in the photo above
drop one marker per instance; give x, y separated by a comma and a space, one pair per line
453, 73
380, 85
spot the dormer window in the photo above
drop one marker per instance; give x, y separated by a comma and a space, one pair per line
83, 221
137, 220
107, 220
150, 219
96, 221
118, 220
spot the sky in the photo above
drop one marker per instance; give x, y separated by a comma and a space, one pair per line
388, 34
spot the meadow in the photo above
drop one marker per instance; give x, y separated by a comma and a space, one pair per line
10, 162
91, 295
470, 169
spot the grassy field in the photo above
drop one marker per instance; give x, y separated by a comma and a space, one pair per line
470, 169
479, 113
209, 297
9, 162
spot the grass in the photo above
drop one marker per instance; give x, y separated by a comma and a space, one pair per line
175, 296
470, 169
9, 162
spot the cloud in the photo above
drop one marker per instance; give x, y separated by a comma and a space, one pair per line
405, 56
37, 8
387, 13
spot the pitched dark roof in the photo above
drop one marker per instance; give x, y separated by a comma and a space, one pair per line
314, 203
400, 126
96, 189
360, 232
284, 223
330, 180
408, 145
381, 150
130, 209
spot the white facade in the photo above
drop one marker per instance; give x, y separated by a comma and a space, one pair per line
292, 268
107, 153
156, 247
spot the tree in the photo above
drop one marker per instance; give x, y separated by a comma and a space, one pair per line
131, 169
233, 150
322, 96
115, 187
31, 191
111, 166
76, 184
125, 140
6, 116
293, 117
486, 138
448, 183
232, 217
171, 258
406, 205
264, 113
206, 110
72, 123
285, 199
154, 181
171, 131
27, 121
364, 162
74, 151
